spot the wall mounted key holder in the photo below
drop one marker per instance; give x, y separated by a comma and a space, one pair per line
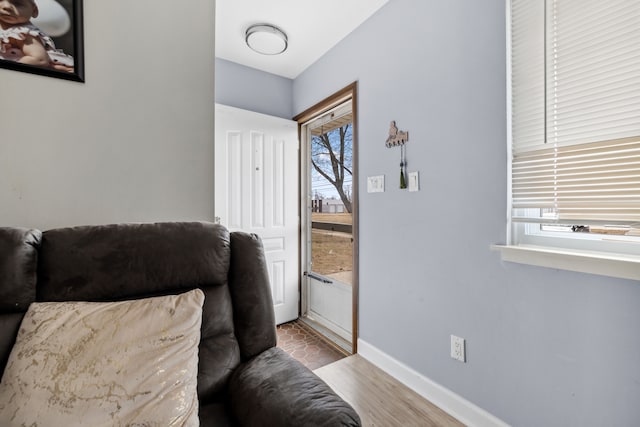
398, 138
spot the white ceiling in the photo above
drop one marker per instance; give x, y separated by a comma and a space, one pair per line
312, 26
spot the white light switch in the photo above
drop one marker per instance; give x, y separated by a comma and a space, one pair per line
414, 183
375, 184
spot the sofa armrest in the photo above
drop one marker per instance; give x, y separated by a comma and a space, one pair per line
273, 389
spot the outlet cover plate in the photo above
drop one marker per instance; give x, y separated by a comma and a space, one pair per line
458, 349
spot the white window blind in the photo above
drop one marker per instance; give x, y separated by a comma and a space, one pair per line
575, 73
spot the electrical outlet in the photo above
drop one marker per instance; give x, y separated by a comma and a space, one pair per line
458, 349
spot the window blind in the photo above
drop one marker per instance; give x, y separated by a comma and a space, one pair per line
575, 75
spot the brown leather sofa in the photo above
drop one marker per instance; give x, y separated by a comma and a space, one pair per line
243, 378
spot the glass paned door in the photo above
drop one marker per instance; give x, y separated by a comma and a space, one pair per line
329, 221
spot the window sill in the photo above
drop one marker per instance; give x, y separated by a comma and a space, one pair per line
605, 264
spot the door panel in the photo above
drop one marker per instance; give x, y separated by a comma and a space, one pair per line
257, 192
330, 305
328, 221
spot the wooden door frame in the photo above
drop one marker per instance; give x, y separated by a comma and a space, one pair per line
350, 91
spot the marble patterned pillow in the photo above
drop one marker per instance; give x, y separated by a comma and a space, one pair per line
129, 363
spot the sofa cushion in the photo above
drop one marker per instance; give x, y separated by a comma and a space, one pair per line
120, 363
250, 289
120, 261
18, 278
215, 414
126, 261
219, 352
274, 389
9, 324
18, 268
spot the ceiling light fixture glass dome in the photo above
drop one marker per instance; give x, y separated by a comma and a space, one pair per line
266, 39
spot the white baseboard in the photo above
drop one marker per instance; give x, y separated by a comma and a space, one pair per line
453, 404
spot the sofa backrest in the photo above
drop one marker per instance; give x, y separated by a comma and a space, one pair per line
250, 287
131, 261
18, 278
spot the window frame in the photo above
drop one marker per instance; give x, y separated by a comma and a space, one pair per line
580, 252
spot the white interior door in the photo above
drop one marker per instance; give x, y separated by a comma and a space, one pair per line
257, 191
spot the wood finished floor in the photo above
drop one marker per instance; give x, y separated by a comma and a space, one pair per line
380, 399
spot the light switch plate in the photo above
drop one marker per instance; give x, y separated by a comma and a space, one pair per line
414, 183
375, 184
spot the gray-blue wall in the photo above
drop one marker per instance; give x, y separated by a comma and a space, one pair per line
545, 347
132, 144
254, 90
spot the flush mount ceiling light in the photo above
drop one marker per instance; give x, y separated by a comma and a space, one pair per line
266, 39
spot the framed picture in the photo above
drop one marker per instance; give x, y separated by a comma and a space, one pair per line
43, 37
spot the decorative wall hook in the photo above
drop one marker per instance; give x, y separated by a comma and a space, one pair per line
396, 137
399, 138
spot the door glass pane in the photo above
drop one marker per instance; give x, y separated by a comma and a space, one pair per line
331, 197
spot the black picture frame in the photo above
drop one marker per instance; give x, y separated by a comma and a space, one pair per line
76, 33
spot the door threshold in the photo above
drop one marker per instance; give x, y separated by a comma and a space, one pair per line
333, 339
